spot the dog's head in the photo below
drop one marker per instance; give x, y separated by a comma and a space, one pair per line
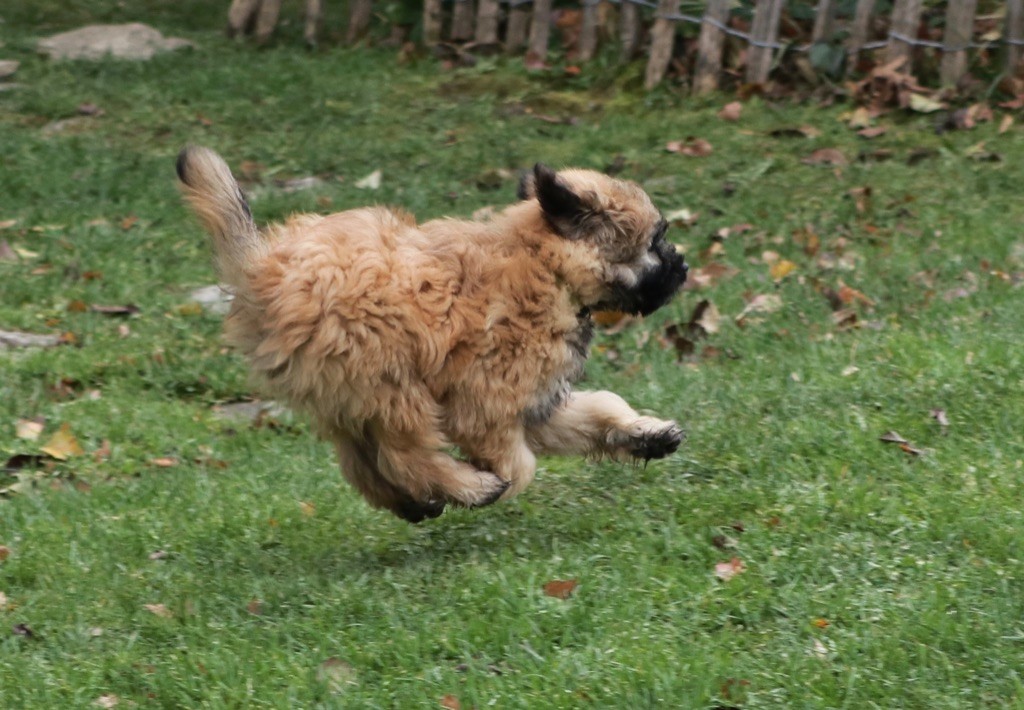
640, 270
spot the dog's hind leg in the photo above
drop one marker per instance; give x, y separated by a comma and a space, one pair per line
359, 465
601, 423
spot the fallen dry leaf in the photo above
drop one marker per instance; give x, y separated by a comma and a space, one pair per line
165, 461
129, 222
826, 156
107, 701
63, 444
691, 147
336, 674
23, 630
103, 452
872, 132
820, 623
158, 555
7, 253
1004, 125
795, 132
3, 601
706, 317
731, 111
16, 339
159, 610
5, 552
308, 509
560, 589
126, 310
371, 181
819, 650
781, 269
724, 542
709, 274
450, 702
255, 607
727, 570
29, 429
762, 303
939, 415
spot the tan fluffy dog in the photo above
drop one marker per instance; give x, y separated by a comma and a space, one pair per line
404, 340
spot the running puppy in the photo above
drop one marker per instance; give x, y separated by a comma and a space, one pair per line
403, 340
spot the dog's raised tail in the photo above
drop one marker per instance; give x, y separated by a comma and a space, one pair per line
211, 190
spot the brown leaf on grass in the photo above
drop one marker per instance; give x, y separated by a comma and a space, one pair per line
845, 319
1004, 125
820, 623
872, 132
795, 132
709, 274
255, 607
128, 222
727, 570
127, 310
731, 111
103, 452
165, 462
939, 415
691, 147
849, 296
158, 555
336, 674
7, 223
826, 156
3, 601
63, 444
706, 318
107, 701
781, 269
7, 253
450, 702
308, 509
559, 588
724, 542
5, 552
158, 610
29, 429
77, 306
761, 303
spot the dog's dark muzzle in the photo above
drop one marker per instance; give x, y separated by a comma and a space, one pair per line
656, 286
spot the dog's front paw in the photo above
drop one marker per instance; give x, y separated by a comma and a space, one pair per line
653, 439
415, 511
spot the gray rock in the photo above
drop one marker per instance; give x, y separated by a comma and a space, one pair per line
134, 41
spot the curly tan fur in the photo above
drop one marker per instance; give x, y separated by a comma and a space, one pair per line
403, 340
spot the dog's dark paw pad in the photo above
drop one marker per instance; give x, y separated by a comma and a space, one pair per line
657, 444
416, 511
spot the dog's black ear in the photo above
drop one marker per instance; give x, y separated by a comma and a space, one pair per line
563, 208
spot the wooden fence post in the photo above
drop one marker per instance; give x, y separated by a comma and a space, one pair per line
824, 21
859, 29
432, 18
906, 14
629, 29
518, 26
540, 31
709, 47
765, 31
959, 30
1014, 32
487, 22
588, 33
462, 20
359, 14
314, 13
663, 37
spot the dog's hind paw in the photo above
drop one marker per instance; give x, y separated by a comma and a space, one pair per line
654, 442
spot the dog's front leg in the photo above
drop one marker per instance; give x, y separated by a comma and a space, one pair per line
601, 423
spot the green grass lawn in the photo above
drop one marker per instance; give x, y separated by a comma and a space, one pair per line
872, 576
